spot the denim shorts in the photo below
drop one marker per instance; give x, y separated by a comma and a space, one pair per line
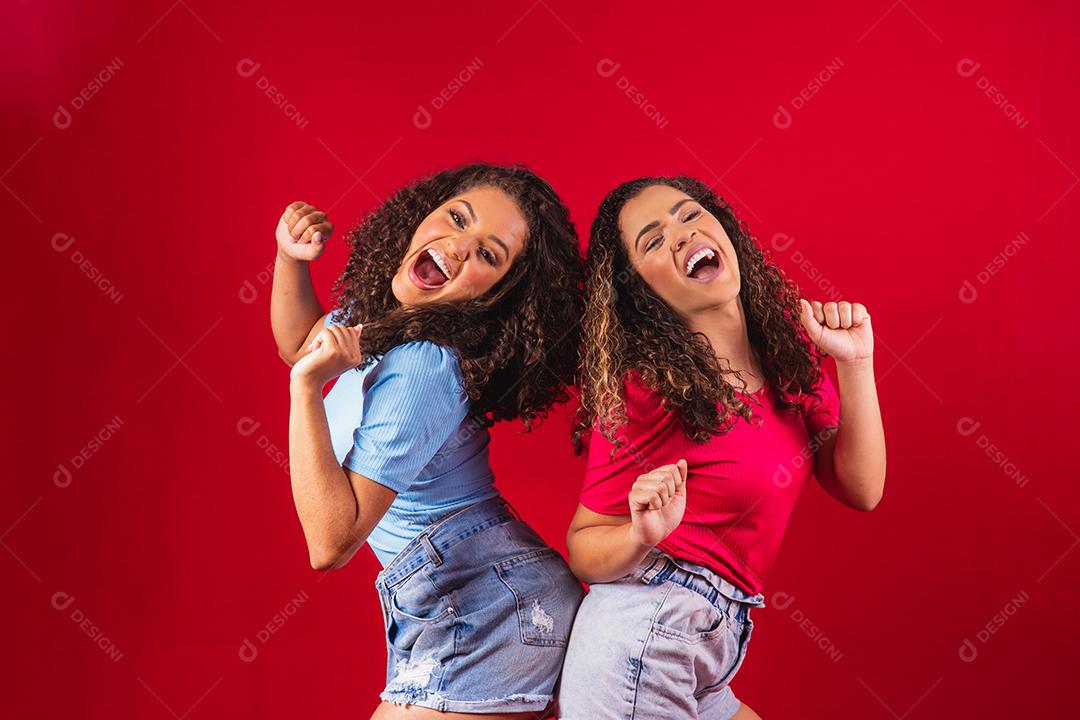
477, 611
662, 642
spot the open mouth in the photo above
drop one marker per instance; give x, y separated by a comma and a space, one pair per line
430, 270
703, 264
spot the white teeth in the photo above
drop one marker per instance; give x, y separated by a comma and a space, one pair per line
697, 257
440, 261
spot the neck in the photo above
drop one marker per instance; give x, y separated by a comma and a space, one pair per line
725, 327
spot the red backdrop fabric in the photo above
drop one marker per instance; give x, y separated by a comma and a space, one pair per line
918, 158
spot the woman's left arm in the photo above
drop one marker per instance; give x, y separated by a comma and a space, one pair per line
850, 463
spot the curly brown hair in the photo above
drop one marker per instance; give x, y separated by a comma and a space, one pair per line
628, 327
516, 344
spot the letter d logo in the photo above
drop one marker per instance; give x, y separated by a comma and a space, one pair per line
968, 294
61, 118
246, 426
247, 67
62, 600
607, 67
61, 242
782, 118
422, 118
782, 600
782, 241
967, 67
248, 651
967, 426
248, 293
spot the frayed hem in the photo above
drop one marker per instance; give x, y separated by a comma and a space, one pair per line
519, 702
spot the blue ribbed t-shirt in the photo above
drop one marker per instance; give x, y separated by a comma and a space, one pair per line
403, 422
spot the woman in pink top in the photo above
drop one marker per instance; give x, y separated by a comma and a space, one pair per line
706, 411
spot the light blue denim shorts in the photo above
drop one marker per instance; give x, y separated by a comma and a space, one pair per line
477, 611
662, 642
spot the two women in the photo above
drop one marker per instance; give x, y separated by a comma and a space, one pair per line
701, 391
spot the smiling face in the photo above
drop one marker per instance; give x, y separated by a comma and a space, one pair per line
462, 248
679, 249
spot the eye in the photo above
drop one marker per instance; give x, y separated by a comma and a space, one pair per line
458, 218
488, 256
693, 215
654, 243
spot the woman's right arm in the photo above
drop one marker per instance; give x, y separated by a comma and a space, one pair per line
603, 548
296, 316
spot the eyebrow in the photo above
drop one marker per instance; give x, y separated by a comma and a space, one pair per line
469, 206
506, 250
495, 238
656, 223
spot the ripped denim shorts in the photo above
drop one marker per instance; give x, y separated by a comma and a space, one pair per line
477, 611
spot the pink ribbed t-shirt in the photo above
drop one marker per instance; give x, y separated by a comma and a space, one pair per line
741, 487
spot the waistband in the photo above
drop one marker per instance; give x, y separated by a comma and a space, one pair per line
431, 544
658, 566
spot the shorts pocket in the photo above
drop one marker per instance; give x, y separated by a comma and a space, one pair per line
384, 603
546, 595
687, 616
742, 632
418, 600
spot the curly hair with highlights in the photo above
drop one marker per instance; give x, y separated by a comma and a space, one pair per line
517, 343
627, 327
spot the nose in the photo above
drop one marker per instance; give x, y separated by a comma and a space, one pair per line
683, 240
453, 248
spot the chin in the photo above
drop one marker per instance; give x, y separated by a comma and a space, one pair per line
402, 290
714, 297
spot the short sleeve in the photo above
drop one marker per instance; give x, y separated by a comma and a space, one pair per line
330, 319
823, 413
609, 478
415, 403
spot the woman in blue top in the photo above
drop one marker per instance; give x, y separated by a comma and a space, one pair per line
466, 288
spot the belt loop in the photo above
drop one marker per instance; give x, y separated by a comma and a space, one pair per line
431, 551
513, 510
730, 603
653, 570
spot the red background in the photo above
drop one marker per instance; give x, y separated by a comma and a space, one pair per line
896, 182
